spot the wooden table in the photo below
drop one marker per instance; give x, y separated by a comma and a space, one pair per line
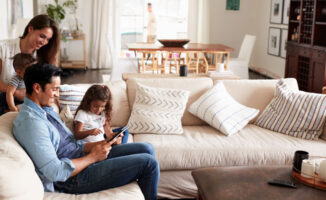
249, 182
219, 49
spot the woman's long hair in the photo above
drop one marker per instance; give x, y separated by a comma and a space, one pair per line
47, 53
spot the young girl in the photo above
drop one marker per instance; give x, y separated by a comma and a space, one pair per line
93, 116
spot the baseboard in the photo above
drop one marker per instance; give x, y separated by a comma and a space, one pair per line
263, 72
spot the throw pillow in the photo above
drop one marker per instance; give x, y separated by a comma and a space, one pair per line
221, 111
158, 110
71, 96
299, 114
67, 117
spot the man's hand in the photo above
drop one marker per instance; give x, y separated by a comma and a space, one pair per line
101, 151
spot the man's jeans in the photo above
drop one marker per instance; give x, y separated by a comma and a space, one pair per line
125, 163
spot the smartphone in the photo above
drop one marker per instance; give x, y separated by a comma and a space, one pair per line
118, 134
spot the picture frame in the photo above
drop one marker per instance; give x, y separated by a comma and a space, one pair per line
276, 11
286, 12
284, 39
274, 38
232, 4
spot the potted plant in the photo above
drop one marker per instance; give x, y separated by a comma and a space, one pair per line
57, 11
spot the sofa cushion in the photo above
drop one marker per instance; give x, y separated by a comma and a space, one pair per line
71, 95
129, 191
196, 87
158, 110
18, 179
221, 111
298, 114
204, 146
255, 93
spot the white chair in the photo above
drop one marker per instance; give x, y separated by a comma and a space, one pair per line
240, 65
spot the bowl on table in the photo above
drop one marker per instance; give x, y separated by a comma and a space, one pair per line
173, 42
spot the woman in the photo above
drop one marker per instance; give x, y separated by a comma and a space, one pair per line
40, 38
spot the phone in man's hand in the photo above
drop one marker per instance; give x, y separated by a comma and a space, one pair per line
118, 134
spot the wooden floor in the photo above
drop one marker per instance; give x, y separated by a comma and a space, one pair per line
74, 76
95, 76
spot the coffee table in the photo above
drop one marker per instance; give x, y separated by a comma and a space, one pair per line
250, 182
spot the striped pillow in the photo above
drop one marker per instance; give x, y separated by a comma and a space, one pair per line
71, 96
220, 110
298, 114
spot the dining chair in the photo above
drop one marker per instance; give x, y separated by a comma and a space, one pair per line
195, 62
149, 61
240, 65
173, 60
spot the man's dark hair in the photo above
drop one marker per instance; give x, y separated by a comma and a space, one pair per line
41, 74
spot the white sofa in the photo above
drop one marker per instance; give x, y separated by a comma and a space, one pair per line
199, 146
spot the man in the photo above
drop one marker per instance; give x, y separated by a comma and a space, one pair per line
72, 166
151, 26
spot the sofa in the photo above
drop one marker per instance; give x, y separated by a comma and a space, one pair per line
200, 145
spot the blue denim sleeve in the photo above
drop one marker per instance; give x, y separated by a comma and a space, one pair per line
41, 144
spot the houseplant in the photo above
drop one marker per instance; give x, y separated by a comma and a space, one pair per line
57, 11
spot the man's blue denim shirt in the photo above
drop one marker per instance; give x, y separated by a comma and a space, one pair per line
40, 139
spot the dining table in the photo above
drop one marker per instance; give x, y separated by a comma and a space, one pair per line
221, 51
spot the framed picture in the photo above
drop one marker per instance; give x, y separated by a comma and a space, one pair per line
274, 38
284, 38
286, 12
232, 4
276, 11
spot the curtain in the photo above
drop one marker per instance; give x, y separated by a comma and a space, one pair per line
104, 37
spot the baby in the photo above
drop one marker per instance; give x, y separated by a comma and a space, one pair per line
21, 62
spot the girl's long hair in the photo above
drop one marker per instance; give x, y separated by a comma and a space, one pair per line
47, 53
97, 92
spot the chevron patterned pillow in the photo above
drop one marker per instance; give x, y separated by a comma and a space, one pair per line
158, 110
221, 111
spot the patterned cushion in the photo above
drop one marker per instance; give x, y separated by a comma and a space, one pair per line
158, 110
221, 111
298, 114
71, 96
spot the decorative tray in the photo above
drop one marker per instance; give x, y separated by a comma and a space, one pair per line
315, 182
174, 42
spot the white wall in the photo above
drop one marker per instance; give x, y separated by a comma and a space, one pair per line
229, 28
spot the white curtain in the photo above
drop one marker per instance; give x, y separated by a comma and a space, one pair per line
105, 38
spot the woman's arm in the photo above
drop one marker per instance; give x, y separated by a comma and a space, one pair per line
3, 86
10, 98
80, 134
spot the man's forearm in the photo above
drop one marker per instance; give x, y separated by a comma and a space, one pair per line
89, 145
81, 163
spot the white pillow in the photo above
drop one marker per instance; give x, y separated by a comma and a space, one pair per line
158, 110
67, 117
221, 111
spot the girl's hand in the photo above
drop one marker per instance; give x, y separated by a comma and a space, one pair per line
96, 131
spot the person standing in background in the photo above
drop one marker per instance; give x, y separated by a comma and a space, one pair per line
151, 26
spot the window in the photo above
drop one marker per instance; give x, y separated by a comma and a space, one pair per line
171, 16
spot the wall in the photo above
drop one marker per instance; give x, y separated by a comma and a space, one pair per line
229, 27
